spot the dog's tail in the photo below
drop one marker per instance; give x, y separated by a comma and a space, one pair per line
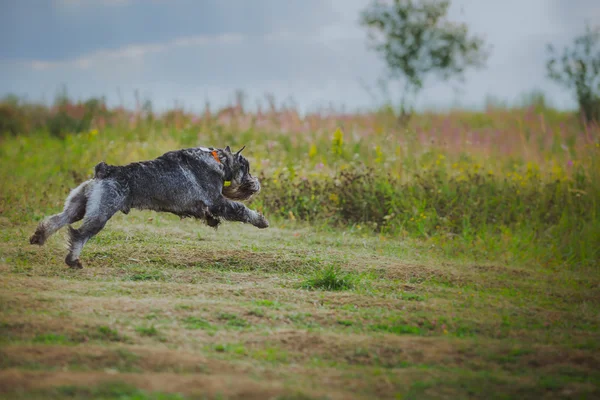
102, 170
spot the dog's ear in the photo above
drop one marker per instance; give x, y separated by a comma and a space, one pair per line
240, 150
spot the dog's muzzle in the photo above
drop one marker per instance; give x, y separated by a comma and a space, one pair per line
244, 191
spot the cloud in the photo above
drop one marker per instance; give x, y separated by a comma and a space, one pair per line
571, 16
133, 52
314, 51
57, 30
83, 3
318, 68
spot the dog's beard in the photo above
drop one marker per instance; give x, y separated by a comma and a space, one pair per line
244, 191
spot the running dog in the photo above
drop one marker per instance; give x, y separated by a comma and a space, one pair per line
202, 183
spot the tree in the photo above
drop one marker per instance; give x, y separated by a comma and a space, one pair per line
579, 70
416, 41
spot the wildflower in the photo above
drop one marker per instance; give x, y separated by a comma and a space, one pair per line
333, 197
313, 151
337, 142
379, 155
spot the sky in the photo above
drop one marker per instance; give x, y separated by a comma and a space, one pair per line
306, 53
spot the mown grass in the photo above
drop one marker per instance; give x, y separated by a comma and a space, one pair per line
451, 325
394, 267
105, 391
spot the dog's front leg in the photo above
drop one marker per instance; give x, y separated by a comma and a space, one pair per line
234, 211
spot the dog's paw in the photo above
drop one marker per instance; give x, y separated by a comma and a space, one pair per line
37, 238
73, 264
261, 222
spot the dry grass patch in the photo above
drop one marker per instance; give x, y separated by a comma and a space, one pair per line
193, 385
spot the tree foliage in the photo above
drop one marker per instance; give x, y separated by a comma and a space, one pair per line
416, 40
579, 70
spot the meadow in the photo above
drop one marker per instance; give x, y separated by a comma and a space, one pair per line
453, 256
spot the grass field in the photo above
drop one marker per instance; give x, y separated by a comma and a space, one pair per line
452, 270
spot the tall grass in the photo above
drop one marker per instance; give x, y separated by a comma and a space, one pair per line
516, 185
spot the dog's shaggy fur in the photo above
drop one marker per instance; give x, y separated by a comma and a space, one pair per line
202, 183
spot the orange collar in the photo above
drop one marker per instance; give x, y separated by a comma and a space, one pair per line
216, 157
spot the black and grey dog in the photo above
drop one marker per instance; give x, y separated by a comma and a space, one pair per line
203, 183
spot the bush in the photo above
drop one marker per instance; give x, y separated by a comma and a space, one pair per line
463, 202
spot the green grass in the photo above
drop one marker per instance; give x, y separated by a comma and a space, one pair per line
197, 323
147, 331
398, 329
104, 332
51, 338
232, 320
527, 193
145, 276
332, 278
393, 267
267, 303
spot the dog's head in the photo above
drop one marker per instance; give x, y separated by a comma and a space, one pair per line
242, 185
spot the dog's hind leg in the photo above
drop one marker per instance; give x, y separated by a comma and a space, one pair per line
73, 211
104, 200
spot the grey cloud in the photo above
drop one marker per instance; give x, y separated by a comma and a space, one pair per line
312, 51
572, 15
57, 30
